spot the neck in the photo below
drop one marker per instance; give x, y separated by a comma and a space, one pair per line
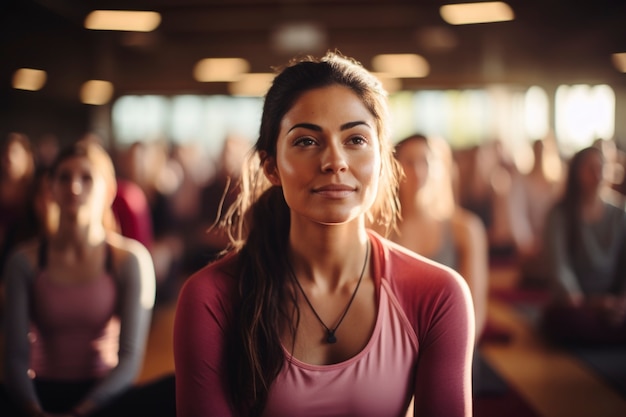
74, 234
330, 256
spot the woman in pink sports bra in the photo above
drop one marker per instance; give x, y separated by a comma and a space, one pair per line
310, 313
79, 299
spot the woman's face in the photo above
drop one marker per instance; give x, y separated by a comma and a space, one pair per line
327, 156
414, 157
77, 186
590, 172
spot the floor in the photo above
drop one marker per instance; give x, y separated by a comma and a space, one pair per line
552, 382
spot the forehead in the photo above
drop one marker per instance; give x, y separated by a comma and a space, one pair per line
326, 104
413, 147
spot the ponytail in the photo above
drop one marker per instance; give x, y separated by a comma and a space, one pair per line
264, 299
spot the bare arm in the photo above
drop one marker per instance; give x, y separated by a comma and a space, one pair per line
471, 241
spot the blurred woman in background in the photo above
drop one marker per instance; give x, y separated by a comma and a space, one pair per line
433, 224
79, 299
585, 241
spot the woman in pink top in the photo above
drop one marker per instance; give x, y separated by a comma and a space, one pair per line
79, 299
310, 313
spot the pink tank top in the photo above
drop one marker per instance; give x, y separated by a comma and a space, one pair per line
372, 383
75, 333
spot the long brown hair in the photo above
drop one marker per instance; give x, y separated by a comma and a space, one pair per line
570, 202
259, 224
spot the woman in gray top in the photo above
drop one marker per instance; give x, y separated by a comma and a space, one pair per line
586, 247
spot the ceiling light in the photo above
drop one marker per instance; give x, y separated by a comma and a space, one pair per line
298, 38
619, 60
125, 20
401, 65
96, 92
469, 13
29, 79
220, 69
252, 85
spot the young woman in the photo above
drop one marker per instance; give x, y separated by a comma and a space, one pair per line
433, 224
586, 248
79, 299
311, 313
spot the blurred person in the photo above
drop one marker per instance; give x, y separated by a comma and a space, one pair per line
585, 240
433, 224
149, 166
506, 234
207, 241
542, 186
79, 298
614, 169
18, 221
311, 313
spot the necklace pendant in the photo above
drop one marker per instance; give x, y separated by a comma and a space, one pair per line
331, 338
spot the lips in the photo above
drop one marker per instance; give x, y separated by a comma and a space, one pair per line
334, 190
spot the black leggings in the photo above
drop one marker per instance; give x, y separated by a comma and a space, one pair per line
153, 399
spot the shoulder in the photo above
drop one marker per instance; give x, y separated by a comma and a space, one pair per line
468, 225
425, 290
131, 261
125, 248
214, 281
407, 270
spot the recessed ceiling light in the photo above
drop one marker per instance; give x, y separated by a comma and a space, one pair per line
220, 69
252, 85
470, 13
29, 79
96, 92
401, 65
124, 20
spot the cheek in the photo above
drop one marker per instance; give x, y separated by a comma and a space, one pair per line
370, 170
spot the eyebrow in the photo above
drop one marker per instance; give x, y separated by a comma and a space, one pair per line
317, 128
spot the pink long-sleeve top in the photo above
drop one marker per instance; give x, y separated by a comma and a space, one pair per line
421, 347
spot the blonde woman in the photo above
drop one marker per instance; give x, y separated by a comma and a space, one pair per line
79, 299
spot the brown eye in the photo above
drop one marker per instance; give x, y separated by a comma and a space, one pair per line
358, 140
304, 142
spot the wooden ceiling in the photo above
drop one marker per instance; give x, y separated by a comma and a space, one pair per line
549, 42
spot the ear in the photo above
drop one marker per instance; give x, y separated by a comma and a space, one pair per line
271, 170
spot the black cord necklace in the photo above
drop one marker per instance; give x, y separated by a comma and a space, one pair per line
330, 333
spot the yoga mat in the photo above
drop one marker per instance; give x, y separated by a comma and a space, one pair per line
609, 363
493, 396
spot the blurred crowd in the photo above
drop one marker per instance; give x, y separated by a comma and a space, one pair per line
171, 196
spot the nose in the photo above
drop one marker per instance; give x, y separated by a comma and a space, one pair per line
76, 186
334, 159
